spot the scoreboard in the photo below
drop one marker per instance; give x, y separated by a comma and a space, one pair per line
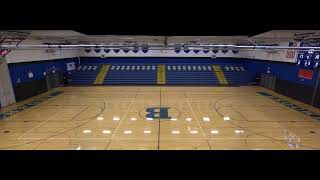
309, 59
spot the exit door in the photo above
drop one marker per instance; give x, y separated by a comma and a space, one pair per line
268, 81
54, 79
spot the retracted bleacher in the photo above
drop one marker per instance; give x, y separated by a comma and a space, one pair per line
175, 74
131, 74
236, 74
194, 74
85, 74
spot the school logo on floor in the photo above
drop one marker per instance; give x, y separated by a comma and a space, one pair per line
162, 113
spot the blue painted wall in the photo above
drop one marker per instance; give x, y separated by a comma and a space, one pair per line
284, 71
20, 70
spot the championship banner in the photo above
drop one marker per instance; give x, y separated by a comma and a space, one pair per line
291, 53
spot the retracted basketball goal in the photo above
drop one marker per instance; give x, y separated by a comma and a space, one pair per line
10, 38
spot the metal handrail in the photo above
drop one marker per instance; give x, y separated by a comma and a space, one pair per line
151, 47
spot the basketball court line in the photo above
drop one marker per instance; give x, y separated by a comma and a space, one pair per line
268, 137
135, 138
179, 139
158, 147
197, 120
39, 125
133, 100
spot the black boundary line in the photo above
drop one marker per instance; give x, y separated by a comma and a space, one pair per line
189, 104
134, 99
39, 140
159, 124
254, 132
299, 106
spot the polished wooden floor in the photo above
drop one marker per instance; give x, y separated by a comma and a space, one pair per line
202, 118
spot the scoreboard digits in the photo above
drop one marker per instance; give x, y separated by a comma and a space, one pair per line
308, 59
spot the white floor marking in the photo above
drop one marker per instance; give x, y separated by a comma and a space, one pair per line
125, 115
195, 118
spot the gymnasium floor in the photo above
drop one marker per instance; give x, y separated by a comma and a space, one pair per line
201, 118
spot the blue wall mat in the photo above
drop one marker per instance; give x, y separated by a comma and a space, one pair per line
20, 70
283, 71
